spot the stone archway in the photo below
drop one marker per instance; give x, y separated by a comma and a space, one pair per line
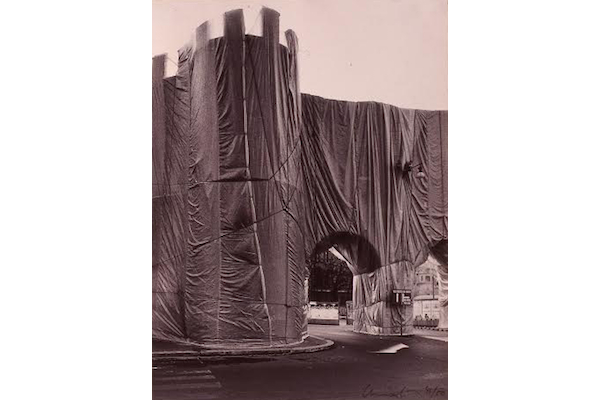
355, 251
248, 173
439, 252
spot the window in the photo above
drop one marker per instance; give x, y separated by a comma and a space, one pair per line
428, 278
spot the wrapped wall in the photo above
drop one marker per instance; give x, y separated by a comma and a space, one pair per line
376, 180
440, 255
233, 111
250, 177
169, 219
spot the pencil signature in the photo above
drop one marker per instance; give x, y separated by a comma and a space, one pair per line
424, 393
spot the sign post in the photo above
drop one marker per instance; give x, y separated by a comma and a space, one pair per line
404, 298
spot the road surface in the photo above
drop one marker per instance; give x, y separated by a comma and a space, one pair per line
357, 367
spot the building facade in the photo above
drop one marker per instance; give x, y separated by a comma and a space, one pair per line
426, 300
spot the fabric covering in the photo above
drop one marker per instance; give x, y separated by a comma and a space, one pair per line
439, 253
250, 178
376, 184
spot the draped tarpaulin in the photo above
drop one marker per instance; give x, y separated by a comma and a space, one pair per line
439, 253
376, 185
250, 178
233, 111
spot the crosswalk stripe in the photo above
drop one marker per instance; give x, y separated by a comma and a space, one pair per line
186, 396
172, 382
185, 385
184, 378
181, 372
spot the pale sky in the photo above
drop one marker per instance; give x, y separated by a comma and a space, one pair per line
391, 51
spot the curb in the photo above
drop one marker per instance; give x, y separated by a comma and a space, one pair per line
385, 335
431, 328
191, 355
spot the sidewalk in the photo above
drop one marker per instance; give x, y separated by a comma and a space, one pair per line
432, 333
171, 351
430, 328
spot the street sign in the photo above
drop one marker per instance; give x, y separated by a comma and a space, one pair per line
403, 297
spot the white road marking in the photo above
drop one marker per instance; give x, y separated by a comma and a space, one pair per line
169, 378
392, 349
172, 372
440, 338
185, 385
185, 396
174, 383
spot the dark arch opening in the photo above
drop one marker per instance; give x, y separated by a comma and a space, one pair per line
331, 266
355, 249
439, 251
329, 280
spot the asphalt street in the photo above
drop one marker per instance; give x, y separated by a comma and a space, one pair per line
358, 367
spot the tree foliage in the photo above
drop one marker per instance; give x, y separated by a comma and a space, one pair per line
327, 272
